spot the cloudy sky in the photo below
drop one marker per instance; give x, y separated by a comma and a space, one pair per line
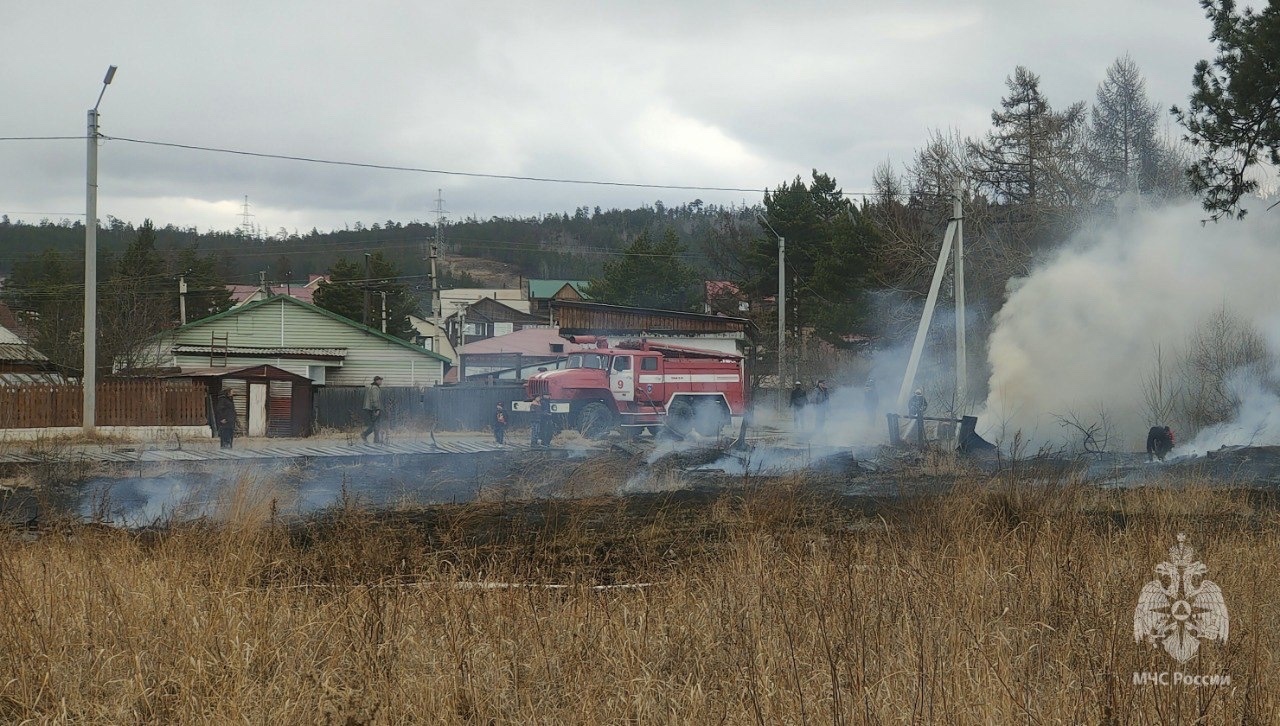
715, 94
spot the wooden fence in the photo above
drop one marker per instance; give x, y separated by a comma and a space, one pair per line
443, 408
119, 403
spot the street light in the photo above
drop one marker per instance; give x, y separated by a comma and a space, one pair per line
89, 378
782, 305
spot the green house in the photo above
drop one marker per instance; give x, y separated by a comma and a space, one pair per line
300, 338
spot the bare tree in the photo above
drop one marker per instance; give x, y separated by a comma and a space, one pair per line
1159, 392
1224, 350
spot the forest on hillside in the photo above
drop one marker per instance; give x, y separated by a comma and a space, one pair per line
562, 245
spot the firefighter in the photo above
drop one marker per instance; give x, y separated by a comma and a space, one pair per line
799, 397
1159, 442
542, 428
499, 423
535, 421
916, 406
819, 399
224, 414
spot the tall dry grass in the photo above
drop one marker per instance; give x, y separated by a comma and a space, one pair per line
1001, 602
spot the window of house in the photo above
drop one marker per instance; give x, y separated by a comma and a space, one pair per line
557, 347
648, 364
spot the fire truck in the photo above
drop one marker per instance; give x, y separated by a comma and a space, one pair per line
638, 385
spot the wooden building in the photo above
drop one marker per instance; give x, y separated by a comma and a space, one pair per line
487, 318
542, 293
696, 330
270, 401
302, 339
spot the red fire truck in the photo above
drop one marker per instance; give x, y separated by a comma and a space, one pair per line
641, 384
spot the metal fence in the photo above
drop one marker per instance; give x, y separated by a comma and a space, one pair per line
441, 408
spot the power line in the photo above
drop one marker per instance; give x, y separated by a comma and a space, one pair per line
52, 214
447, 172
42, 138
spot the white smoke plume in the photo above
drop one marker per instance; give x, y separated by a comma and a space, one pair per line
1079, 333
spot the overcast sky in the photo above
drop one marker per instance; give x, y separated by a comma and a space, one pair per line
722, 94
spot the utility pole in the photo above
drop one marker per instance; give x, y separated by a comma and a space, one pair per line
782, 316
462, 342
366, 289
782, 309
89, 378
383, 293
962, 368
437, 300
182, 299
917, 349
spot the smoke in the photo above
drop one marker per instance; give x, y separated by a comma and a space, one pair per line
1256, 421
1079, 333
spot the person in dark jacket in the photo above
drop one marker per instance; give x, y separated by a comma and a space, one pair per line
799, 397
499, 423
819, 399
1159, 442
916, 406
535, 421
373, 412
224, 415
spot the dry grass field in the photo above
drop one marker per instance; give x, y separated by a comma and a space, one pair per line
1003, 601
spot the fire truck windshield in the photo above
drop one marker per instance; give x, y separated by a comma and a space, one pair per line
589, 360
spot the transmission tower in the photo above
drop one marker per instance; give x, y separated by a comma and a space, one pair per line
246, 220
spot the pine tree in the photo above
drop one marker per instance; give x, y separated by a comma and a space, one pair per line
1233, 120
828, 243
650, 274
344, 294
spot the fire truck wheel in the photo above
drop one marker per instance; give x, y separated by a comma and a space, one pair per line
710, 419
680, 417
595, 421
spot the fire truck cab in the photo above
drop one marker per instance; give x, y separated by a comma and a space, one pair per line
639, 384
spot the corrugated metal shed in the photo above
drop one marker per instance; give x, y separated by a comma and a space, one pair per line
588, 318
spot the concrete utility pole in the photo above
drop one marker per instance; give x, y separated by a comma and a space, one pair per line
365, 285
383, 293
182, 299
437, 301
782, 309
89, 378
962, 367
926, 318
462, 343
